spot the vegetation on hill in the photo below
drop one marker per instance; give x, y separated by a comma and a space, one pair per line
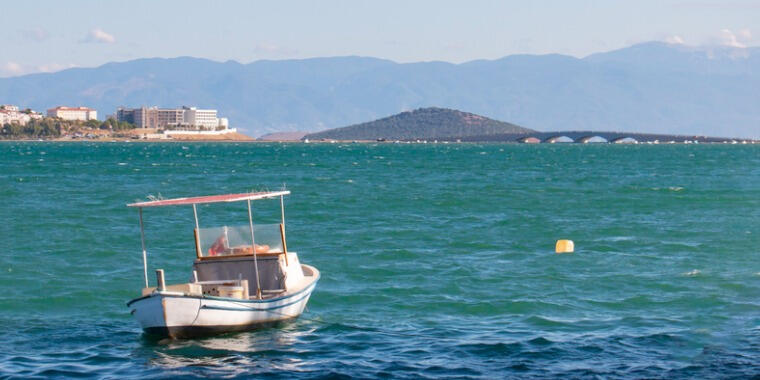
423, 123
54, 127
36, 128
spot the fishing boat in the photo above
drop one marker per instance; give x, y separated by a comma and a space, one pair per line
243, 277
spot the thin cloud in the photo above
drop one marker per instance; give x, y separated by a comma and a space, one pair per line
53, 67
35, 34
13, 69
98, 35
744, 35
738, 39
675, 40
733, 38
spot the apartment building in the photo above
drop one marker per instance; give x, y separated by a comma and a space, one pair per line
73, 113
10, 114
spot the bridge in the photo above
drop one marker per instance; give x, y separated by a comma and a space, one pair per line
589, 137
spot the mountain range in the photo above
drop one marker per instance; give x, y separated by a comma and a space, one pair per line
650, 87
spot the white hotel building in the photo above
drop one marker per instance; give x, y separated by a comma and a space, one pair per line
73, 113
184, 118
202, 118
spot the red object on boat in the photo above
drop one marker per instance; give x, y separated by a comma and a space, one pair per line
218, 247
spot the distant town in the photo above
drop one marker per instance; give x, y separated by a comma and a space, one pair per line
73, 123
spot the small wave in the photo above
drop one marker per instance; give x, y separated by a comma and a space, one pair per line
616, 238
546, 321
669, 188
499, 349
683, 244
692, 273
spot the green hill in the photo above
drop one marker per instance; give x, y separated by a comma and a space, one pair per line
423, 124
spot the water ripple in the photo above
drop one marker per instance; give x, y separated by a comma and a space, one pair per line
437, 260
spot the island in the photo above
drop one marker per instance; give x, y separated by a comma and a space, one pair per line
424, 123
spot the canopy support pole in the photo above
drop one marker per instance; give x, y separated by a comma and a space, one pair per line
142, 240
282, 230
195, 214
253, 245
197, 234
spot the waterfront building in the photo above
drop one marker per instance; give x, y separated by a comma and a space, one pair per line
146, 117
10, 114
169, 117
200, 118
183, 118
4, 117
73, 113
125, 114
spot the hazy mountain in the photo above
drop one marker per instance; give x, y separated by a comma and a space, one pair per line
424, 123
283, 136
651, 87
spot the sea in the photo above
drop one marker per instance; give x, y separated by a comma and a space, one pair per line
437, 260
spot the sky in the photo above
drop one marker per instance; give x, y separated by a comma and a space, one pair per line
46, 36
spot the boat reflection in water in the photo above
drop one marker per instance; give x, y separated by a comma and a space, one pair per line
231, 354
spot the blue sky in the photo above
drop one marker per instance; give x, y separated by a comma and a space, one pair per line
52, 35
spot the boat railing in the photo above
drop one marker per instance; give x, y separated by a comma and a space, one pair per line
237, 240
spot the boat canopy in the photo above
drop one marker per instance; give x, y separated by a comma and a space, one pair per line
222, 236
210, 199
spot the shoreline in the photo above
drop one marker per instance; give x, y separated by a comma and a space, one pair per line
251, 140
230, 137
122, 140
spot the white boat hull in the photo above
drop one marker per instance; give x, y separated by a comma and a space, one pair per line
179, 315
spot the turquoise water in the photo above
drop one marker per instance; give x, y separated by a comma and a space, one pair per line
436, 260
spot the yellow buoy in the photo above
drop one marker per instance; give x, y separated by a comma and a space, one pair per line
564, 246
